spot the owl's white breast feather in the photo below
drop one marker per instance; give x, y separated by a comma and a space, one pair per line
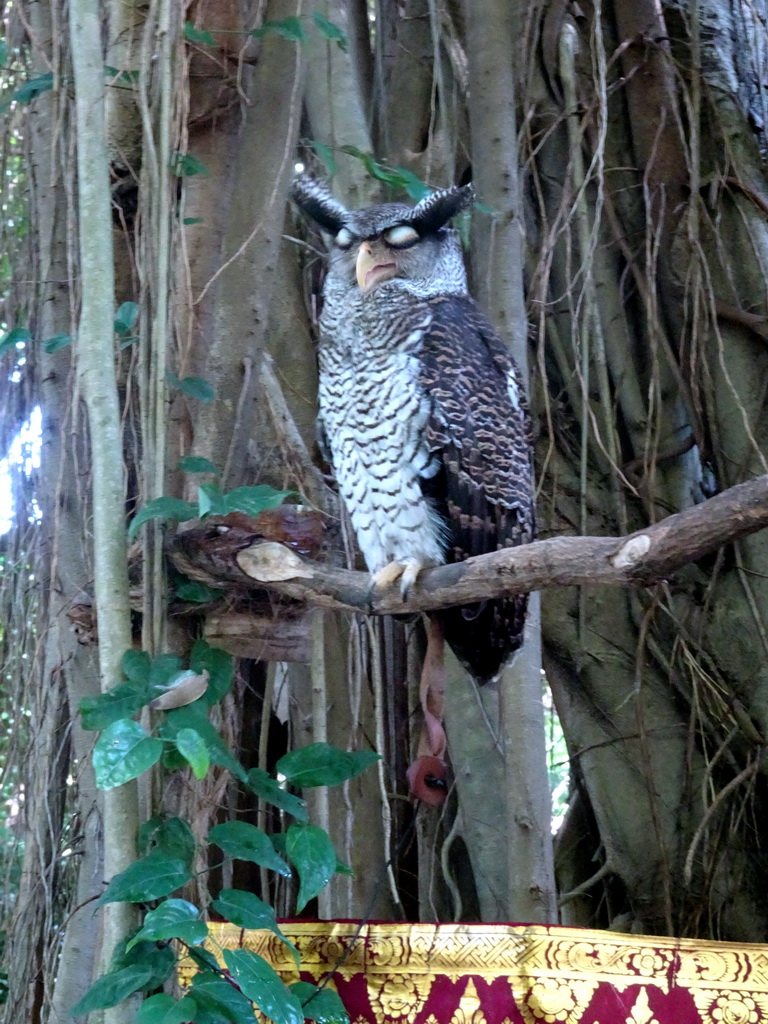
374, 414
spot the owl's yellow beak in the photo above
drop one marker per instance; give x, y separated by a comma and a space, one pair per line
372, 268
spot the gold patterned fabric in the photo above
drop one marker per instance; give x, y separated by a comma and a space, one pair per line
517, 974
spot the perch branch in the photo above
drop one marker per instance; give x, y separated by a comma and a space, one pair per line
232, 557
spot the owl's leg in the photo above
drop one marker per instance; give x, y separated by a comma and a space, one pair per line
428, 775
407, 572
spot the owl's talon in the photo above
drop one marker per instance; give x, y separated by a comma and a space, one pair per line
386, 576
381, 579
406, 572
410, 575
370, 596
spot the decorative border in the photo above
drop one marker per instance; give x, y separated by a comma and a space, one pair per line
537, 974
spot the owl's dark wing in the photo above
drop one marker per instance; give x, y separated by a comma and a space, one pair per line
479, 427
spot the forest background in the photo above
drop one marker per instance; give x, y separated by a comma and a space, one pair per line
160, 299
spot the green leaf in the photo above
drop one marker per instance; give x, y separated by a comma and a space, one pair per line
172, 760
29, 90
246, 910
312, 854
57, 342
219, 1001
203, 959
118, 76
218, 665
263, 785
261, 983
320, 1004
330, 30
147, 830
198, 35
412, 184
192, 748
395, 177
173, 919
120, 702
173, 838
192, 220
162, 508
195, 387
197, 464
253, 500
143, 967
164, 671
289, 28
3, 53
326, 155
136, 665
374, 169
126, 316
149, 878
161, 959
322, 765
14, 337
344, 869
164, 1009
195, 716
278, 841
186, 166
123, 752
200, 593
210, 501
243, 841
111, 989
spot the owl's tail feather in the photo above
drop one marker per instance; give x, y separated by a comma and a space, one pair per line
485, 636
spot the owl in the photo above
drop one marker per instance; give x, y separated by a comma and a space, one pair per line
422, 411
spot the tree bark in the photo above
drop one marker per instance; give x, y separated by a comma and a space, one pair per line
492, 32
96, 371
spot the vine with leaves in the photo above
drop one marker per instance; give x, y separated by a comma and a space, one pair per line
182, 736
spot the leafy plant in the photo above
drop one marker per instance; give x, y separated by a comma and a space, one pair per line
330, 30
29, 90
14, 337
195, 387
198, 35
184, 165
211, 501
196, 592
125, 318
197, 464
123, 751
57, 342
289, 28
326, 155
398, 178
124, 78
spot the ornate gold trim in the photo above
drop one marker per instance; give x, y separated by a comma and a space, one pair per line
553, 973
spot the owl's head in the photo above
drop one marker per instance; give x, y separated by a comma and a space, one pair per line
391, 241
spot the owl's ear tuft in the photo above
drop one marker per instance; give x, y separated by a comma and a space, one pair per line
436, 210
315, 199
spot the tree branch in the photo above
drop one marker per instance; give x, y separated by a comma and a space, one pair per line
231, 555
